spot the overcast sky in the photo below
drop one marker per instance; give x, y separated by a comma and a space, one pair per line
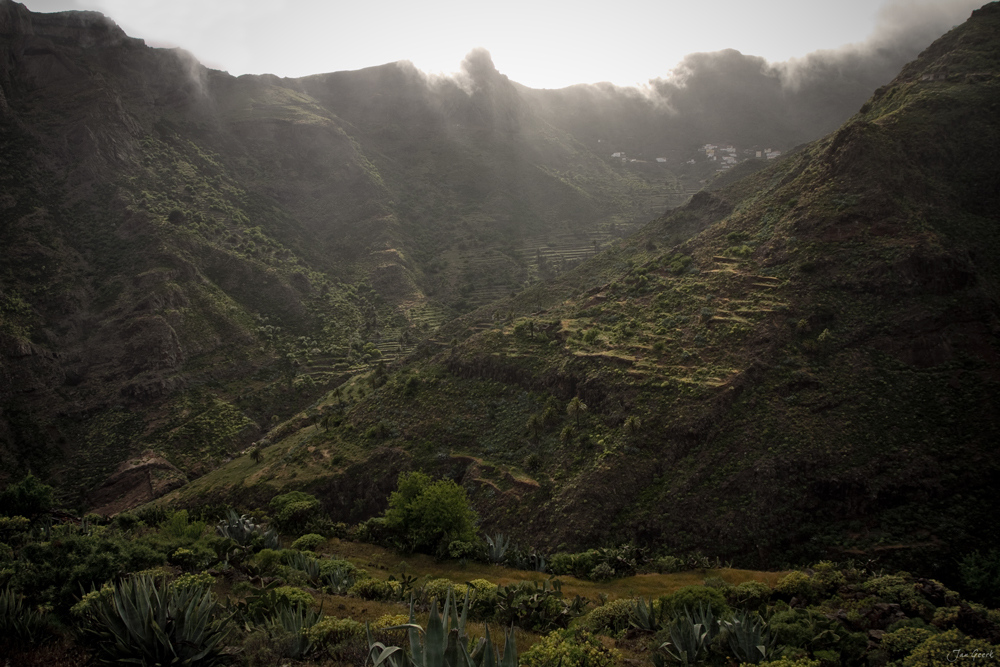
540, 43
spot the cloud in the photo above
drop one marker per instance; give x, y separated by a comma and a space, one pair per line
729, 96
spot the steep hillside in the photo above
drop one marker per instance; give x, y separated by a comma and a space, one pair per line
188, 255
814, 373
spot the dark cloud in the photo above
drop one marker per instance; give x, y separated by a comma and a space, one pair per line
729, 96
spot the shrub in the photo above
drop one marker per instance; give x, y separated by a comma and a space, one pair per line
901, 589
390, 621
294, 510
200, 580
438, 588
796, 584
484, 598
268, 560
27, 497
570, 648
330, 632
691, 597
428, 515
980, 574
178, 527
376, 589
290, 596
948, 648
308, 542
786, 662
195, 558
611, 618
900, 643
55, 572
748, 595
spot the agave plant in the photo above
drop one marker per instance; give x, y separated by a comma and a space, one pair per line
443, 643
690, 635
305, 564
148, 622
18, 622
497, 547
339, 581
239, 529
291, 624
647, 616
748, 637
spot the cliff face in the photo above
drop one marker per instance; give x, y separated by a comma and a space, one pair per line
812, 374
189, 254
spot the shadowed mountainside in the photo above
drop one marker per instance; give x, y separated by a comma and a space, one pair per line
813, 373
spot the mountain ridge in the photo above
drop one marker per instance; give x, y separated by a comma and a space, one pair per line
812, 374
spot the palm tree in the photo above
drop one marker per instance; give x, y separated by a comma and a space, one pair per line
633, 425
575, 409
534, 427
256, 454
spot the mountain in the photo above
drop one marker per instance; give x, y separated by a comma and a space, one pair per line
188, 254
191, 257
812, 373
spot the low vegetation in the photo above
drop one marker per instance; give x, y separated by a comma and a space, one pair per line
156, 586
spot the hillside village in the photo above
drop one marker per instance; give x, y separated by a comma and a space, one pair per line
726, 156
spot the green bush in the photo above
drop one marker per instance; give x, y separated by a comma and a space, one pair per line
690, 597
294, 510
56, 572
427, 516
610, 618
308, 542
438, 588
748, 595
484, 598
980, 574
178, 527
196, 558
900, 643
796, 584
329, 632
191, 580
570, 648
376, 589
949, 648
27, 497
786, 662
268, 560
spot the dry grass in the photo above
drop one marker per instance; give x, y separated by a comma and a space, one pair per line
383, 562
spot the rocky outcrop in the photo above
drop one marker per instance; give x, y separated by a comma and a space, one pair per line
135, 482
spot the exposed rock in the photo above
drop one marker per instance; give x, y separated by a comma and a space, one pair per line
135, 482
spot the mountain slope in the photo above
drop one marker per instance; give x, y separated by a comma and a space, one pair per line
813, 374
187, 253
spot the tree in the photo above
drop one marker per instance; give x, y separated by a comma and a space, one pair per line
429, 515
576, 409
534, 427
633, 425
28, 497
256, 454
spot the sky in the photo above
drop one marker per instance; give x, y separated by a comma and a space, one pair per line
539, 43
